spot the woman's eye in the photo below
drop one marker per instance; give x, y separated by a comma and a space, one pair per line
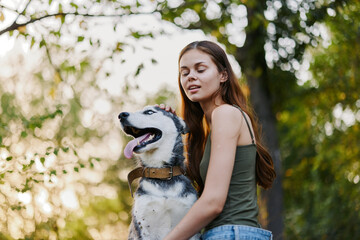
201, 70
149, 112
184, 73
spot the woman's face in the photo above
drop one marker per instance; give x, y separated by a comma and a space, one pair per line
199, 76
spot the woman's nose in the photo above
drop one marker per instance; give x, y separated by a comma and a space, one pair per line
192, 76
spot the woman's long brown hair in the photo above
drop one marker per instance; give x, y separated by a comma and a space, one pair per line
194, 117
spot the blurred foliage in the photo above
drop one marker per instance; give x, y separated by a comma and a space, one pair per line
287, 27
55, 150
44, 150
320, 129
62, 174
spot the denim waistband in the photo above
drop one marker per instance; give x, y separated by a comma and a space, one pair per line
237, 232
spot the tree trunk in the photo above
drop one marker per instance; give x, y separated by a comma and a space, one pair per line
273, 197
251, 58
261, 101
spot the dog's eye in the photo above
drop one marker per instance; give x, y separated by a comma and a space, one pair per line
149, 112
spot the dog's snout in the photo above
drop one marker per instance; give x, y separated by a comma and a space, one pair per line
123, 115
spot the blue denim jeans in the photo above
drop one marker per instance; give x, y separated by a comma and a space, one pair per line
236, 232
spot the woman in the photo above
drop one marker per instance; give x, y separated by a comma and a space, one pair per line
225, 156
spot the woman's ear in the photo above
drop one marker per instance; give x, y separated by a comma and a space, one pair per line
224, 76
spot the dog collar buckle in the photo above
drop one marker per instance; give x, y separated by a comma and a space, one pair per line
171, 173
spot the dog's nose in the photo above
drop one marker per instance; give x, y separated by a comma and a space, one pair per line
123, 115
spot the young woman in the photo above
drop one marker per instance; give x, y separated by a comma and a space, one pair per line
226, 159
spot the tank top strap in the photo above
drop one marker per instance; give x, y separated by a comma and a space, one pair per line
247, 123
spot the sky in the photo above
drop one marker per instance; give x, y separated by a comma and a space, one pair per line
164, 49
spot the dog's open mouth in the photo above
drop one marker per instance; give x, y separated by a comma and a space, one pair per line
142, 137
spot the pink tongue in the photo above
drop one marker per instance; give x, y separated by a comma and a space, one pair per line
128, 151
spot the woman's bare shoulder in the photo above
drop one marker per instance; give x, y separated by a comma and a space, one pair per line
226, 111
227, 118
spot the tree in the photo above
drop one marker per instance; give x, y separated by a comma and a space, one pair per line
46, 122
322, 173
52, 135
58, 121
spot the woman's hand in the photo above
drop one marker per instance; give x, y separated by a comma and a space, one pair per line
166, 108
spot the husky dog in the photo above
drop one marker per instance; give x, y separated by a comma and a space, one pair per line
164, 195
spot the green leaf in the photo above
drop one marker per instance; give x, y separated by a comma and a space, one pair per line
59, 112
119, 47
76, 169
24, 134
198, 7
74, 5
80, 38
32, 42
138, 70
136, 35
16, 208
9, 158
42, 43
64, 172
84, 65
42, 160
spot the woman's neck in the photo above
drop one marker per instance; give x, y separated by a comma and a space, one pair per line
209, 106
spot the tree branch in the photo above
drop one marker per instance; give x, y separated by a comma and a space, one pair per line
9, 9
16, 25
23, 11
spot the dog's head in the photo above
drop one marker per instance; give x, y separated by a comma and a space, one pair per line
157, 135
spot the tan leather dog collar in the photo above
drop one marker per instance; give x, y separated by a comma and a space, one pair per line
158, 173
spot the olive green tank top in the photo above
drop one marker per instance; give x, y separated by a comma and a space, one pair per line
241, 203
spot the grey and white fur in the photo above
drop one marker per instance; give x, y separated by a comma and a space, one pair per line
159, 204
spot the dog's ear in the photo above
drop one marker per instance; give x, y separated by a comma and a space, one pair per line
184, 127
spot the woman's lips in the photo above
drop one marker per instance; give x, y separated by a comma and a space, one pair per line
193, 88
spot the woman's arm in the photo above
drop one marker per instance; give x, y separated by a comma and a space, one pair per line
225, 130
